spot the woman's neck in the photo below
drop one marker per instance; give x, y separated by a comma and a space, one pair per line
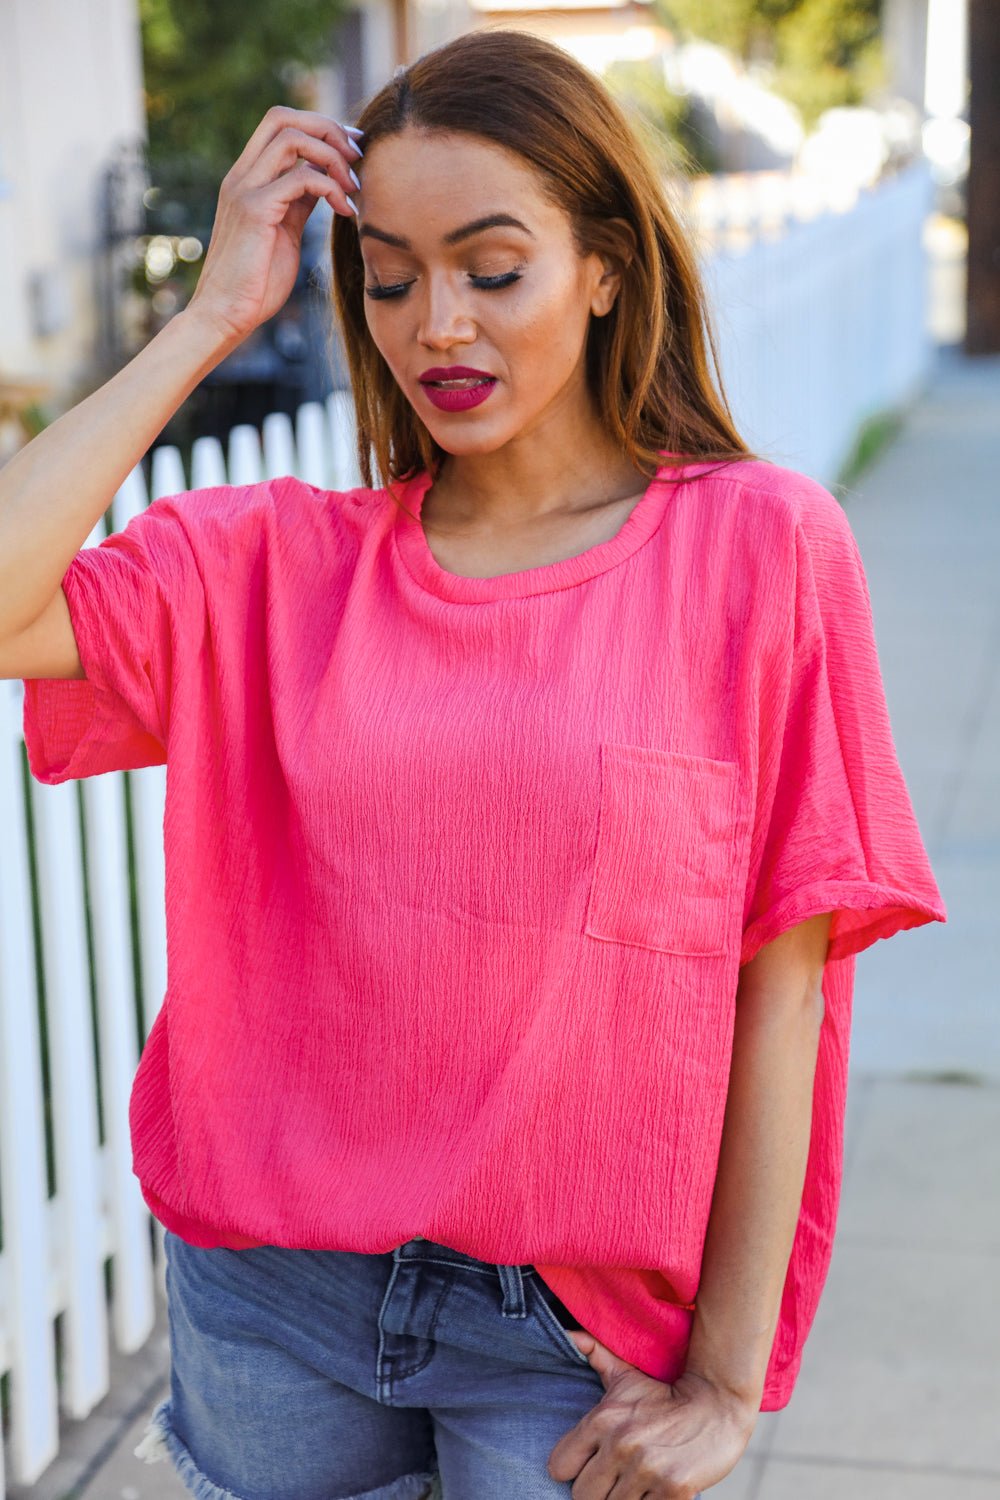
523, 483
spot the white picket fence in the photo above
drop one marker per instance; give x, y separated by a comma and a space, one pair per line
55, 1248
827, 326
817, 331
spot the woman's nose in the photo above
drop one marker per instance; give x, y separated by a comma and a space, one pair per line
445, 318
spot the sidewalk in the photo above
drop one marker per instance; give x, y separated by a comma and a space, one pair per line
899, 1393
900, 1385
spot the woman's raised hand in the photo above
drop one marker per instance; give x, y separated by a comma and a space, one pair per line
53, 494
294, 158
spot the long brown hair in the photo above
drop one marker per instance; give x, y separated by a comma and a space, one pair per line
646, 359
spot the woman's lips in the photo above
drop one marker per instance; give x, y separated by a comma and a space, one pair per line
460, 394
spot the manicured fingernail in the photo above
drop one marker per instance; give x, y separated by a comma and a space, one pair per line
354, 130
355, 147
352, 203
354, 178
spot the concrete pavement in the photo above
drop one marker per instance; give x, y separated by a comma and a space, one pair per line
900, 1386
899, 1395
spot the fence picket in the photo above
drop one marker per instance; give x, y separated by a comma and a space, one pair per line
278, 445
66, 970
168, 472
131, 500
208, 464
345, 473
246, 462
313, 443
133, 1311
34, 1433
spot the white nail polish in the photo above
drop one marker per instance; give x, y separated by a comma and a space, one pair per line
354, 178
352, 203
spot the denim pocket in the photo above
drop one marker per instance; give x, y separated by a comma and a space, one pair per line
664, 872
551, 1324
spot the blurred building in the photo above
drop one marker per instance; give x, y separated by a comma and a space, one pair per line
70, 93
927, 53
744, 125
377, 35
926, 43
72, 126
983, 290
596, 32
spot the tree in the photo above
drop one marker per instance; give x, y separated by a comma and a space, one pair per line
667, 122
743, 26
820, 53
212, 70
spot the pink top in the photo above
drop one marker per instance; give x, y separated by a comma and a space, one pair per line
461, 871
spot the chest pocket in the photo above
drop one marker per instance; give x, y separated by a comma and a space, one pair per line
665, 867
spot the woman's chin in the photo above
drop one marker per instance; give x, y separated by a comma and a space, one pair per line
468, 444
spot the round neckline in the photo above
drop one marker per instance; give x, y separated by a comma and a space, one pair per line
414, 549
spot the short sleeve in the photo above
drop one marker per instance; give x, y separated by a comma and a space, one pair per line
834, 827
134, 601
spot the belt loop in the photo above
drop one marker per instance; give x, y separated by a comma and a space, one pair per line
512, 1281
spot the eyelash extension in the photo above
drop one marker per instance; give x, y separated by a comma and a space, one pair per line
483, 283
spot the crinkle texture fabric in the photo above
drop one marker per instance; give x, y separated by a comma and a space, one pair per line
461, 871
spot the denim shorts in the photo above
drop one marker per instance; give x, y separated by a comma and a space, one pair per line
334, 1375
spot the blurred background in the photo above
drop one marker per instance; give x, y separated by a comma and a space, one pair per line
765, 114
837, 166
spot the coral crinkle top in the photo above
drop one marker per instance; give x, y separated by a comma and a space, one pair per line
461, 871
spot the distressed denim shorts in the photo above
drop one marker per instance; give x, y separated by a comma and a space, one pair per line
334, 1375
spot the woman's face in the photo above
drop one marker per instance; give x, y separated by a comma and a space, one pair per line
511, 300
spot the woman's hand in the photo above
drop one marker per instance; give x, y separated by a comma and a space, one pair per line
293, 159
647, 1439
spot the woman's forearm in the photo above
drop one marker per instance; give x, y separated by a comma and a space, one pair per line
53, 493
762, 1162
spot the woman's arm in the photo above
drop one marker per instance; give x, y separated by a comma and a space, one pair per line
762, 1161
56, 489
650, 1438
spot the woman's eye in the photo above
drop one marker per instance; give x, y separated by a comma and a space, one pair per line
484, 283
490, 283
386, 291
377, 291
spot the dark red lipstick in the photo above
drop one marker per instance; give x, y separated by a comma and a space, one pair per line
473, 389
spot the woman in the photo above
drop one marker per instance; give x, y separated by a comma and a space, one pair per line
523, 818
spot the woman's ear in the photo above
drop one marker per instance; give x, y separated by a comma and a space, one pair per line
616, 253
606, 290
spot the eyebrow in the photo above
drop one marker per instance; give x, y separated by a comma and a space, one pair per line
490, 221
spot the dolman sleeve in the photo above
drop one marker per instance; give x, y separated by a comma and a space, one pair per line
834, 826
136, 603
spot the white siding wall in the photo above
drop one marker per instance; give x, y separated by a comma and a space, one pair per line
70, 91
